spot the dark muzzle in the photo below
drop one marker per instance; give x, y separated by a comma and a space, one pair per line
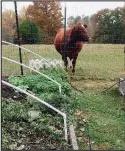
86, 39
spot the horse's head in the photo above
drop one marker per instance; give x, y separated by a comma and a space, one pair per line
79, 33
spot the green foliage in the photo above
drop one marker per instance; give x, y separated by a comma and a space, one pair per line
16, 80
45, 124
105, 119
105, 26
17, 123
46, 89
102, 112
29, 32
60, 102
110, 27
48, 16
13, 111
77, 19
48, 123
39, 84
71, 21
6, 139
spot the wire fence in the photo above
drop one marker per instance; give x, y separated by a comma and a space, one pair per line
103, 58
100, 62
94, 60
47, 53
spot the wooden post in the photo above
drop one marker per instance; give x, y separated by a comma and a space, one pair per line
73, 138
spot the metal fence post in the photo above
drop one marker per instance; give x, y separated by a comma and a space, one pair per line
18, 35
65, 55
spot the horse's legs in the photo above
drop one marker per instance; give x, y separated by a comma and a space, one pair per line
65, 62
71, 63
74, 63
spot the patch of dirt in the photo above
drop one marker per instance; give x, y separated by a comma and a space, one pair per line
90, 84
82, 77
8, 92
41, 142
30, 139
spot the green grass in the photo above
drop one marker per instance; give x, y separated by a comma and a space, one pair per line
94, 61
105, 61
105, 118
11, 52
98, 67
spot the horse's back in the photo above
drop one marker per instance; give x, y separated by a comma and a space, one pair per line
59, 39
59, 36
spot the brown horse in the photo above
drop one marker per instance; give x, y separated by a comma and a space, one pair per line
75, 37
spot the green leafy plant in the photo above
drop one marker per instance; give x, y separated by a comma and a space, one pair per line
13, 111
39, 84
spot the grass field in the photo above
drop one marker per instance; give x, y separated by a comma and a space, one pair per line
94, 61
98, 67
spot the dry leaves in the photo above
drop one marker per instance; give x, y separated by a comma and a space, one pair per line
78, 113
13, 146
21, 147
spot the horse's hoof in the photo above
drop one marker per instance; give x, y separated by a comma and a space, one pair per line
73, 72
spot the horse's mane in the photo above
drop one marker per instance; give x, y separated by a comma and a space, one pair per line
71, 28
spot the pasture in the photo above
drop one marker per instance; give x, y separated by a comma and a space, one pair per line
95, 61
98, 67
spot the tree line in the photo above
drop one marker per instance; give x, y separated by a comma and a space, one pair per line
105, 26
39, 23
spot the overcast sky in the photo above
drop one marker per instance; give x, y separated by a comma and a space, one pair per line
73, 8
